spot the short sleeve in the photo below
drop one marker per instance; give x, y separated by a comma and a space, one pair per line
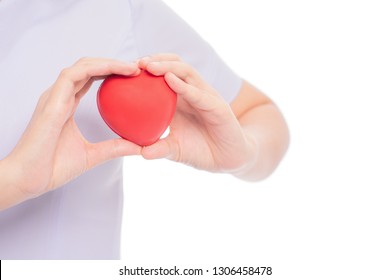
158, 29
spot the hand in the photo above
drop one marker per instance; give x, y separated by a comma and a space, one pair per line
204, 132
52, 151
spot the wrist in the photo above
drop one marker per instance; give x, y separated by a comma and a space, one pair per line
11, 190
250, 156
7, 194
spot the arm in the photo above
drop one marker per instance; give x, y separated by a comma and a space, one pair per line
247, 138
52, 150
266, 129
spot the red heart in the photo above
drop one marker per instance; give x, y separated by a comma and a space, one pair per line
138, 108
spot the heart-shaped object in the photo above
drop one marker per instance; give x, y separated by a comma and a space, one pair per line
137, 108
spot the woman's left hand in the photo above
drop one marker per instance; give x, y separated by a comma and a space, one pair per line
204, 132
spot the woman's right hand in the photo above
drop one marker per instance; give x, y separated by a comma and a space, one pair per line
52, 151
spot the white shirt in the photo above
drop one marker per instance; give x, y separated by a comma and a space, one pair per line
81, 220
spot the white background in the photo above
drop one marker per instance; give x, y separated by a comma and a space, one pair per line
324, 213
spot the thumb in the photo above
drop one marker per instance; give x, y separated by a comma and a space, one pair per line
163, 148
110, 149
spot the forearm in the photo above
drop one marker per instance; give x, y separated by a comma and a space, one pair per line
10, 193
268, 137
266, 131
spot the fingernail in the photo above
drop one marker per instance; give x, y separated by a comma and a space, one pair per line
132, 64
137, 72
155, 63
146, 59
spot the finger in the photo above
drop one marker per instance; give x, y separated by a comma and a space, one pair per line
144, 61
198, 99
163, 148
84, 90
101, 67
180, 69
110, 149
74, 78
165, 57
